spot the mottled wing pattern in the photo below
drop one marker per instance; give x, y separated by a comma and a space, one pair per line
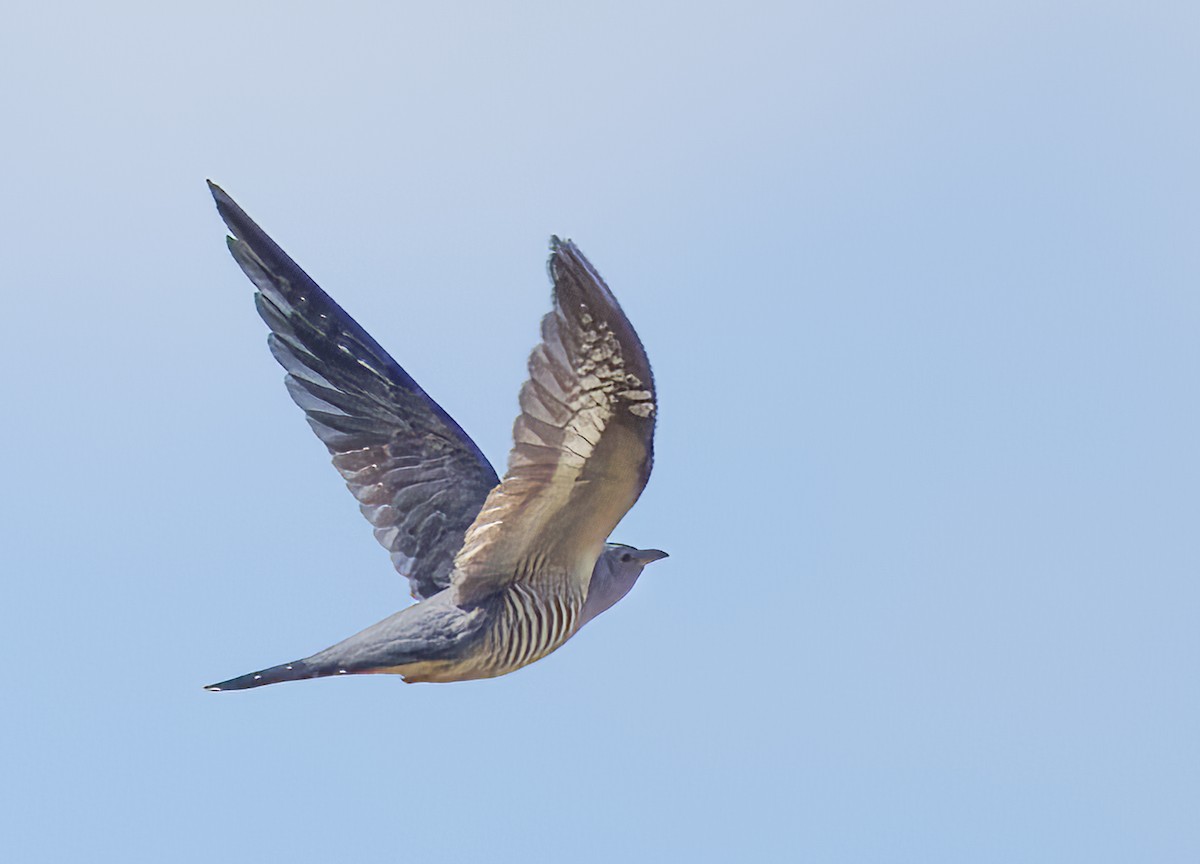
582, 445
417, 476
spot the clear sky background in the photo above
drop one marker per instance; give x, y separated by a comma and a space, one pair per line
921, 286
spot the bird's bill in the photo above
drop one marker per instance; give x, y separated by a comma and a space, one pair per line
648, 555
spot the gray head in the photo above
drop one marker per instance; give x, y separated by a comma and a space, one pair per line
616, 570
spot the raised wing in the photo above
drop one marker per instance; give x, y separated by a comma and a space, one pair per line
582, 446
417, 476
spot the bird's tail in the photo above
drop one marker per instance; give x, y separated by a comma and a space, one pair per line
430, 631
294, 671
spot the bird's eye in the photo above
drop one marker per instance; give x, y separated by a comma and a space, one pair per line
625, 556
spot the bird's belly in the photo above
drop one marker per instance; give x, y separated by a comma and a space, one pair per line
469, 668
438, 671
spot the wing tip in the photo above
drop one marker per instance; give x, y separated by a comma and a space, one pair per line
560, 247
220, 196
239, 224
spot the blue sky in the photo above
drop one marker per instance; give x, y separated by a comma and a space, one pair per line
920, 287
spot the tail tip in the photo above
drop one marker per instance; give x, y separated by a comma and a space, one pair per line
284, 672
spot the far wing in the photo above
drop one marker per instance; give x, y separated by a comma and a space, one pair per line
583, 444
417, 476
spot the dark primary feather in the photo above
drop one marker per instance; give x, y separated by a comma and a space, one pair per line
417, 476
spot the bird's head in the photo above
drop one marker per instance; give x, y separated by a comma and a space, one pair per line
616, 571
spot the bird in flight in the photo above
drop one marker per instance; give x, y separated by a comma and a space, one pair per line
504, 570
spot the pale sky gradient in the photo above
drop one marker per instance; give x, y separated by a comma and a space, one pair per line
921, 287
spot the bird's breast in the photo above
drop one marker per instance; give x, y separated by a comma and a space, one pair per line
528, 625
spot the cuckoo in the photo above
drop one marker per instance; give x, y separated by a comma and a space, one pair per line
504, 571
